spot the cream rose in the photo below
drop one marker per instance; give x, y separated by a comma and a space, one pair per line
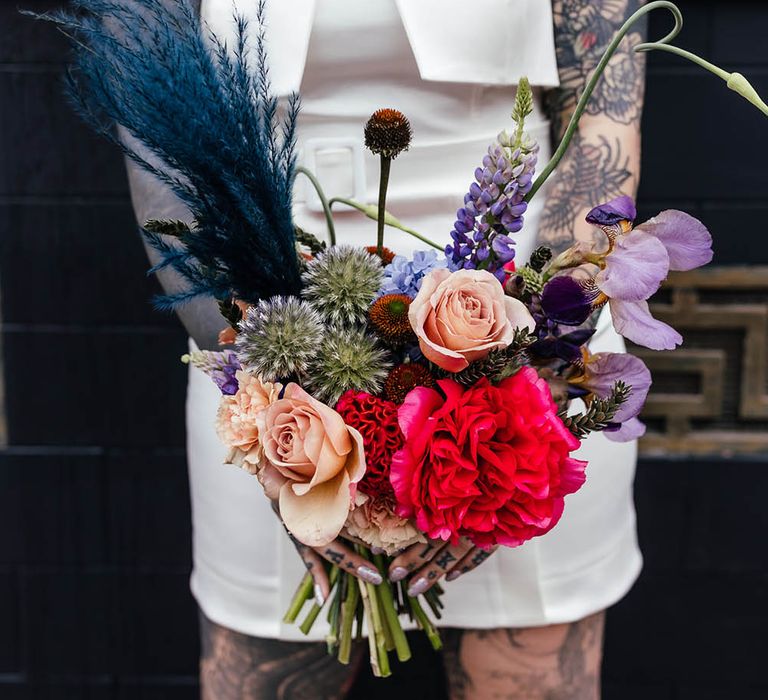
236, 423
459, 317
314, 461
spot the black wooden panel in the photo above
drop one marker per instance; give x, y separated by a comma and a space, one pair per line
28, 42
149, 521
74, 263
10, 627
52, 509
159, 637
95, 388
72, 617
46, 149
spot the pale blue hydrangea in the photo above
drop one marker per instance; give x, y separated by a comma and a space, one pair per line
403, 276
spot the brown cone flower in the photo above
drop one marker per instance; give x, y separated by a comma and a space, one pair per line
388, 133
388, 316
405, 377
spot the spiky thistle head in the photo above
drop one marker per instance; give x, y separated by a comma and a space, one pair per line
341, 283
388, 317
388, 133
348, 358
278, 338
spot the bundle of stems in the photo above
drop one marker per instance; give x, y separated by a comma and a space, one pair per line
356, 604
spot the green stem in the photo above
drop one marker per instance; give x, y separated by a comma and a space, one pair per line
314, 611
390, 612
372, 212
323, 201
426, 624
302, 594
386, 164
348, 611
592, 82
309, 620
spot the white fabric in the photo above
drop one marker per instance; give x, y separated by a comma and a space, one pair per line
360, 58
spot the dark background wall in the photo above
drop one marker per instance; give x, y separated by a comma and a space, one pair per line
94, 509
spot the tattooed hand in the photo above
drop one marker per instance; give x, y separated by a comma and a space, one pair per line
603, 160
428, 563
339, 552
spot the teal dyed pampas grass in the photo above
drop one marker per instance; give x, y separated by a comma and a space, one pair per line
207, 113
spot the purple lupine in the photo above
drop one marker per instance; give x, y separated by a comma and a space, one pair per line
221, 366
493, 208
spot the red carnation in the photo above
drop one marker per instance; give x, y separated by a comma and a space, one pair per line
376, 420
489, 462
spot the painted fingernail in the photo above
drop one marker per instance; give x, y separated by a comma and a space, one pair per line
398, 574
418, 587
319, 595
453, 575
368, 574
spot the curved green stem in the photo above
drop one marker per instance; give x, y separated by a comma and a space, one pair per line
372, 212
386, 164
592, 82
323, 201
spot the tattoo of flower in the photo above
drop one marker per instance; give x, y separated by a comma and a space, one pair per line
594, 172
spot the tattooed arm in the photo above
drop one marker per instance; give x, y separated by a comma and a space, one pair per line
603, 160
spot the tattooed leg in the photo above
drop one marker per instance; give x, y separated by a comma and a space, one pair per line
557, 662
234, 666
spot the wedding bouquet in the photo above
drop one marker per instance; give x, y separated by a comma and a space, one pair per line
384, 400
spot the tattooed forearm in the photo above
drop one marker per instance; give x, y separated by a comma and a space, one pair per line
558, 662
234, 666
583, 30
603, 160
596, 170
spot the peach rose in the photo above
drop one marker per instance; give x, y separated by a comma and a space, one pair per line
315, 460
459, 317
236, 423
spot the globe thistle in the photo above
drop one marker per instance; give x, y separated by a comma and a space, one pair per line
341, 283
405, 377
388, 133
278, 337
388, 316
348, 358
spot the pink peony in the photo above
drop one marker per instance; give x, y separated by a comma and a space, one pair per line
459, 317
314, 463
236, 422
489, 462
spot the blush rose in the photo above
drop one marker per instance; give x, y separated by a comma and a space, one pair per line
314, 461
459, 317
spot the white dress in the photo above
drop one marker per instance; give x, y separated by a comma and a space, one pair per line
350, 58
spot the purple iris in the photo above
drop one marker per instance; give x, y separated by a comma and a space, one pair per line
601, 372
640, 260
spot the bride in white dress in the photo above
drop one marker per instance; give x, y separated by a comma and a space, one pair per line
348, 58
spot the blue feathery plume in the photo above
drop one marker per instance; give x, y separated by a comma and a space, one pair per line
212, 122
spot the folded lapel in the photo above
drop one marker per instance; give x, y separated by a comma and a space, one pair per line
492, 42
288, 25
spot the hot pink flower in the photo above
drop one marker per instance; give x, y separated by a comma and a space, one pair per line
487, 462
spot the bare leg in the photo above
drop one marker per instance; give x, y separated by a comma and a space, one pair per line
234, 666
558, 662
